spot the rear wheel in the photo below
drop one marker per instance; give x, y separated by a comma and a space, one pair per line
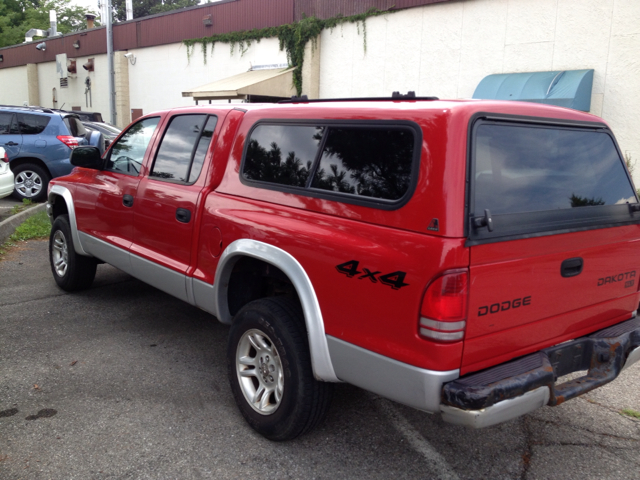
31, 182
71, 271
270, 370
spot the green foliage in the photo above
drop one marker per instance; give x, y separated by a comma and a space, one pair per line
26, 203
142, 8
630, 413
293, 38
36, 226
17, 17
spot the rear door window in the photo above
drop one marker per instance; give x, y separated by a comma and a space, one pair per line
8, 125
32, 124
183, 148
534, 176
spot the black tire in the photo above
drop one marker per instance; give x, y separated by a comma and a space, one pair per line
31, 182
304, 401
72, 272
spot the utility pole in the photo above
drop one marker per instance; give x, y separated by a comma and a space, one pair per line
112, 73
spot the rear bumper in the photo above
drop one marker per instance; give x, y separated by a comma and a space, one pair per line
512, 389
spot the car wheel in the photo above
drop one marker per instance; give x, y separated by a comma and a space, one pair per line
270, 370
71, 271
31, 182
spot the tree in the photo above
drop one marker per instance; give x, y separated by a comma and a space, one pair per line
17, 17
142, 8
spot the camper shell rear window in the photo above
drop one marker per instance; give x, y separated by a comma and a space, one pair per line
536, 178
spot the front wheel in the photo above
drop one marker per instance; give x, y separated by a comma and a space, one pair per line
30, 182
71, 271
270, 370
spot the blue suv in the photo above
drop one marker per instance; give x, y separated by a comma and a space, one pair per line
39, 142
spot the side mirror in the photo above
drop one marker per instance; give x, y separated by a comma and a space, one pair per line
87, 157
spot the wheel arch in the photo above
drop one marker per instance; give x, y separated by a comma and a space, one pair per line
58, 193
16, 162
318, 347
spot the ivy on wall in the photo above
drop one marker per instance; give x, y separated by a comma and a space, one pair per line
293, 38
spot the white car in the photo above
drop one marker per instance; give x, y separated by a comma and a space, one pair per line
6, 175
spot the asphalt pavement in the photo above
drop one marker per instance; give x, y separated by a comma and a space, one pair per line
124, 381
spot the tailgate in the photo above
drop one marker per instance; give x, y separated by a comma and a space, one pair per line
555, 253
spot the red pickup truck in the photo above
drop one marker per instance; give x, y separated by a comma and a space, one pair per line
459, 257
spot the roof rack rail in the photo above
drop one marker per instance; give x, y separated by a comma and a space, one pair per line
29, 107
395, 96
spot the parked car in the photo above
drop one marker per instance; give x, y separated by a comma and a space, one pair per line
38, 142
6, 175
110, 132
459, 257
85, 116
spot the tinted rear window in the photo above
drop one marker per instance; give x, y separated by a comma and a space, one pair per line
32, 124
352, 161
522, 168
76, 129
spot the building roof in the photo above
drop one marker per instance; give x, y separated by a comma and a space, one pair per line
173, 27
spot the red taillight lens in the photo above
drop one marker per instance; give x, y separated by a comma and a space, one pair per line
5, 157
444, 307
68, 140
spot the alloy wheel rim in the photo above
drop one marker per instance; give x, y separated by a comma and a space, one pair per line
60, 253
260, 372
28, 183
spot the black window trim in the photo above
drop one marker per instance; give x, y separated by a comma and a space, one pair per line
548, 223
107, 157
193, 150
348, 198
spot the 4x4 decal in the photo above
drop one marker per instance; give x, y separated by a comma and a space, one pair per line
394, 280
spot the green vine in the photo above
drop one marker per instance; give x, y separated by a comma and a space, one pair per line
293, 38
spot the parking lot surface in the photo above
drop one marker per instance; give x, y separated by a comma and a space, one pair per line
124, 381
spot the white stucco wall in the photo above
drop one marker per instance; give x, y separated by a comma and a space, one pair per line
73, 95
162, 73
446, 49
14, 89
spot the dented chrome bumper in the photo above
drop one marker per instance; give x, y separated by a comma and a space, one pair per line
507, 391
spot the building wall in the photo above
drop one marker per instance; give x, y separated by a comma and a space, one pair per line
445, 49
162, 73
14, 87
73, 95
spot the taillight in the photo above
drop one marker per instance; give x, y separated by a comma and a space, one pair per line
68, 140
443, 316
5, 157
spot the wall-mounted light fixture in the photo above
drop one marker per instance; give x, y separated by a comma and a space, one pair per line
1, 58
76, 44
89, 65
41, 46
131, 57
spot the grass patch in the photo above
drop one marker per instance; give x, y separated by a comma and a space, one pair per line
35, 227
26, 203
630, 413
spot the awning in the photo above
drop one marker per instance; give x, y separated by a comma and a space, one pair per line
270, 83
568, 88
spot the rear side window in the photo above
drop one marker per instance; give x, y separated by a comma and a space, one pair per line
356, 163
538, 179
32, 124
183, 148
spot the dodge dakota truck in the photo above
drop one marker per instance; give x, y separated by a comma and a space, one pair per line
460, 257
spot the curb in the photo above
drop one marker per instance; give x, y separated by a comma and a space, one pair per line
8, 226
